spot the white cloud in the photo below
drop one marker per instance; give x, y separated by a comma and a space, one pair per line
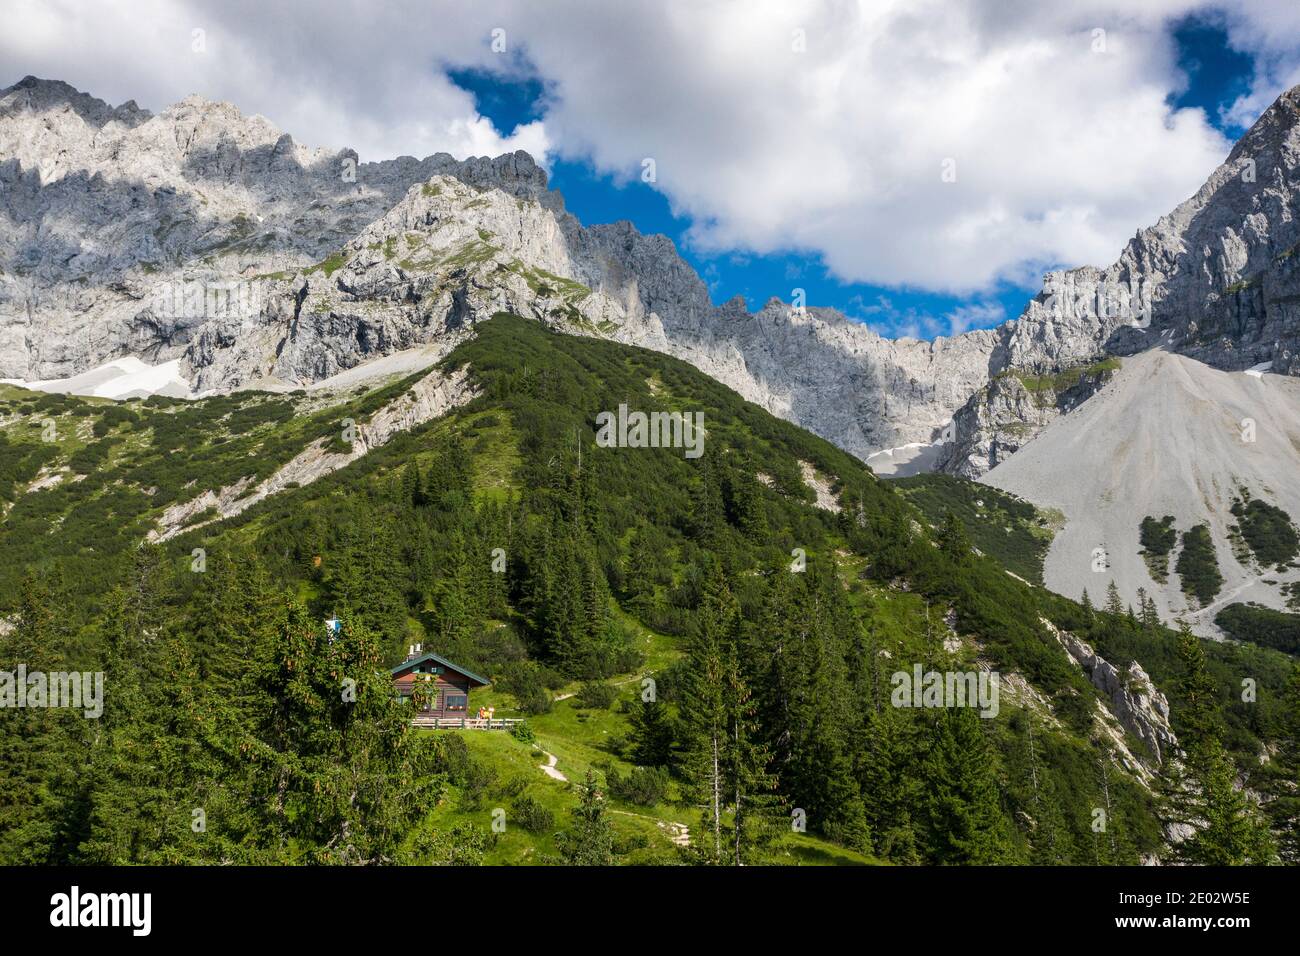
1060, 150
1270, 29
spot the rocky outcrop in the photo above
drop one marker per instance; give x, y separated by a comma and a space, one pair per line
212, 238
431, 397
1010, 411
1140, 709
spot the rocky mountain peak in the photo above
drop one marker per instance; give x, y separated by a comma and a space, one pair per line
37, 95
1215, 279
351, 260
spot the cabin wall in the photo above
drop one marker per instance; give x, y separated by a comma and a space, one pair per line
447, 684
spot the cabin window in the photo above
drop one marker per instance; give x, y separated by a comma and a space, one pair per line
457, 701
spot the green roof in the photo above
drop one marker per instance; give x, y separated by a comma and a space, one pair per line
430, 656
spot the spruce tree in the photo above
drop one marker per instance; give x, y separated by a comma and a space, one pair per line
954, 540
961, 812
652, 734
338, 766
704, 714
33, 740
590, 842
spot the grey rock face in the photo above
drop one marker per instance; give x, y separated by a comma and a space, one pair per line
1012, 409
208, 237
1216, 279
1141, 709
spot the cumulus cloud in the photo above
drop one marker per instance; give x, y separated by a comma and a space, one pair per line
945, 145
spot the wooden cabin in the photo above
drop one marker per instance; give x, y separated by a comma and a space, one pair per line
452, 684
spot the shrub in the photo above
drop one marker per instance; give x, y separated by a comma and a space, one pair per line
597, 695
1158, 539
531, 815
644, 786
527, 682
1268, 531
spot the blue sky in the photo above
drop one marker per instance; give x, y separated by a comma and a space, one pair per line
1216, 76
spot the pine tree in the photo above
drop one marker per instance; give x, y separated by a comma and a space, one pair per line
590, 842
953, 539
960, 807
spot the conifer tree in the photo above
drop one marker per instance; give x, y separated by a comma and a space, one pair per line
954, 540
961, 813
338, 764
704, 714
890, 787
652, 734
1089, 615
590, 842
31, 738
751, 787
1114, 604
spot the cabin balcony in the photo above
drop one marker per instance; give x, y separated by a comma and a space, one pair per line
465, 723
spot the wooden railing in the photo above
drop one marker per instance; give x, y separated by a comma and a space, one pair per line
466, 723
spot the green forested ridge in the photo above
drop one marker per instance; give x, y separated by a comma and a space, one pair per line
1007, 528
227, 702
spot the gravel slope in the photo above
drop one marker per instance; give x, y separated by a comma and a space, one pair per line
1164, 437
